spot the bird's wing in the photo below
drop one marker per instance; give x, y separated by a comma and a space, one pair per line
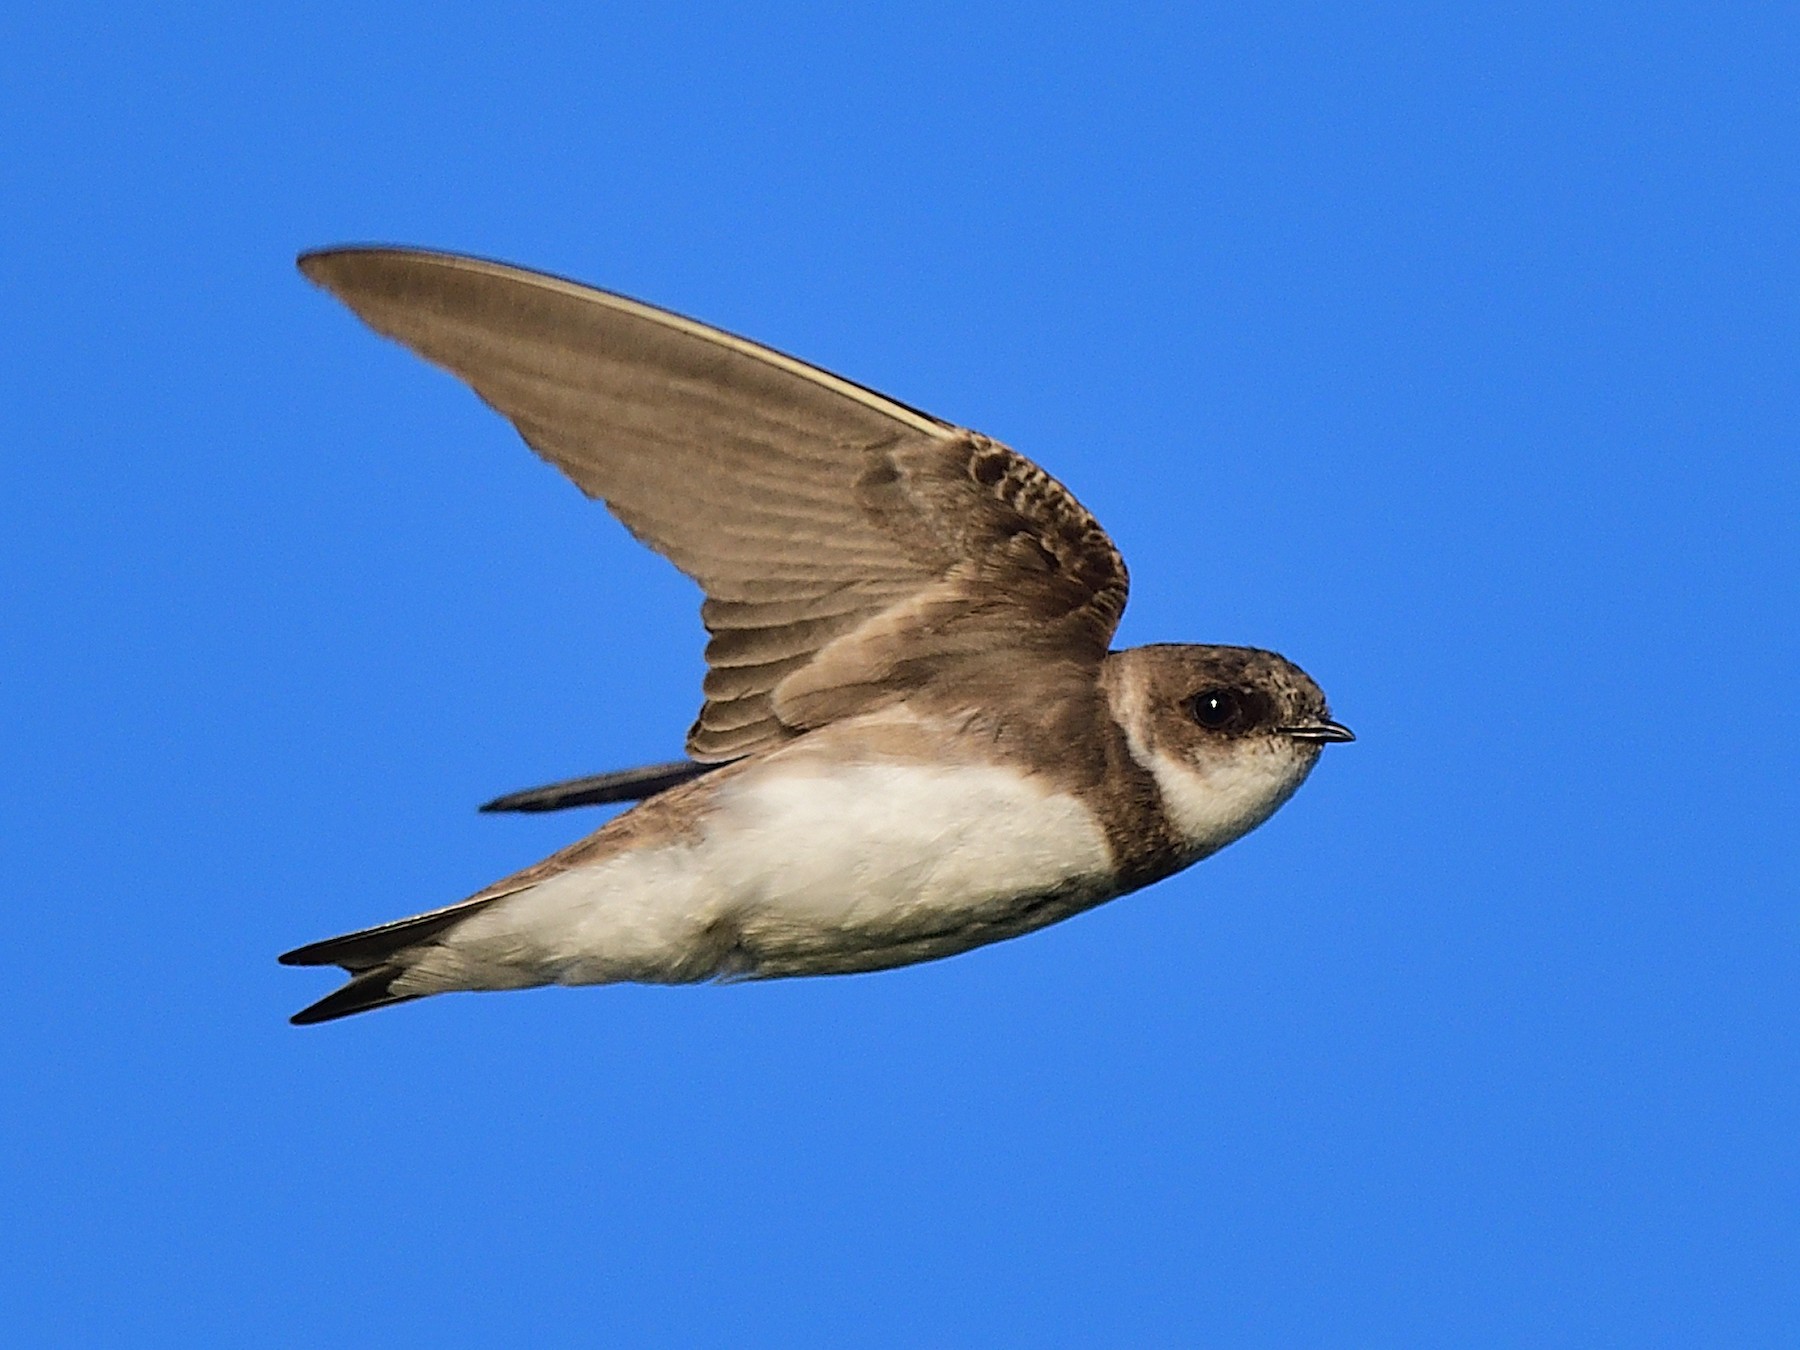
850, 548
601, 789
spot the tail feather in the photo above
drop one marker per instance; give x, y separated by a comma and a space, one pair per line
364, 993
374, 958
370, 947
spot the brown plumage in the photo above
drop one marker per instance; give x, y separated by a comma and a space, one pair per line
851, 548
914, 738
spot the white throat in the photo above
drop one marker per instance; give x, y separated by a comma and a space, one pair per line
1212, 804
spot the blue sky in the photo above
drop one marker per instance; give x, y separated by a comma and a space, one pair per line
1449, 350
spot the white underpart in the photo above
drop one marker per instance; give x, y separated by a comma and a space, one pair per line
808, 866
1227, 798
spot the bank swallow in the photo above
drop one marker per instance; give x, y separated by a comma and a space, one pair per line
915, 739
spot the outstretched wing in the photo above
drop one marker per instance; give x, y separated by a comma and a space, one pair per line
850, 548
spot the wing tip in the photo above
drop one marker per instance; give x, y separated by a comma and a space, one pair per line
317, 264
335, 267
329, 265
602, 789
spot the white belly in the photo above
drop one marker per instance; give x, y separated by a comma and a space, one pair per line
808, 868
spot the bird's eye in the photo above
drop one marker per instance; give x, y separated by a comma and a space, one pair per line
1218, 709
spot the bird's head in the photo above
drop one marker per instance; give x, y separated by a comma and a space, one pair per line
1228, 733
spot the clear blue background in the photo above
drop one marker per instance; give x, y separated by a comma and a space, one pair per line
1450, 350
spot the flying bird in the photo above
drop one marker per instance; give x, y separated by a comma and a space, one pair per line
915, 737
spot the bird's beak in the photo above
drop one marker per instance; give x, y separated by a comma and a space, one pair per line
1319, 732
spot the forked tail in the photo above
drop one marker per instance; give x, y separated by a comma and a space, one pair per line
374, 958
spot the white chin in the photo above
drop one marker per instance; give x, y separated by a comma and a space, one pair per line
1223, 798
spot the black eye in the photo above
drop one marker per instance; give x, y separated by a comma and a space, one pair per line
1218, 709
